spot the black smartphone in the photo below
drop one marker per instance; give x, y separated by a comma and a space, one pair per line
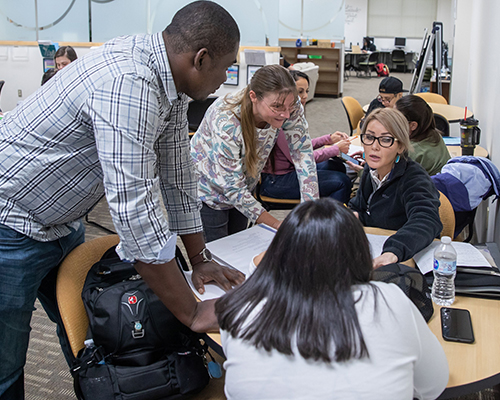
456, 325
345, 157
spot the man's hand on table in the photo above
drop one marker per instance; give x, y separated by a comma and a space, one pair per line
384, 259
207, 272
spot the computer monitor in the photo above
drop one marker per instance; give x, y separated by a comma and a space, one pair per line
399, 42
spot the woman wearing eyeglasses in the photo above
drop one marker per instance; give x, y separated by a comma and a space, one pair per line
395, 192
279, 179
233, 143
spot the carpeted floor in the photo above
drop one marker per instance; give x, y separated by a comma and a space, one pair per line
46, 372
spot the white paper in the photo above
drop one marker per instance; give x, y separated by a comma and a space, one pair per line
376, 244
467, 256
236, 251
353, 149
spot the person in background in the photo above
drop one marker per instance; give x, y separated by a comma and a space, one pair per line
429, 149
233, 143
64, 56
279, 179
368, 45
114, 124
390, 91
48, 74
395, 192
309, 324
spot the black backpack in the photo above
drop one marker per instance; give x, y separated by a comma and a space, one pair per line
137, 348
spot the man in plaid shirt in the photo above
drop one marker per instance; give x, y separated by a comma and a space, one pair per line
113, 122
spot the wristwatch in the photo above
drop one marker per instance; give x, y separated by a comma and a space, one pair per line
203, 256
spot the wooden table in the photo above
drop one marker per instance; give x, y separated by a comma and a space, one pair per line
454, 151
451, 113
473, 367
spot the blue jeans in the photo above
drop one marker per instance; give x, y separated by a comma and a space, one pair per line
28, 268
332, 183
221, 223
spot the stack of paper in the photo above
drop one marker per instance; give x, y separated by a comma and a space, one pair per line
236, 251
467, 256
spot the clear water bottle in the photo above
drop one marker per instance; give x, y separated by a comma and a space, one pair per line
445, 269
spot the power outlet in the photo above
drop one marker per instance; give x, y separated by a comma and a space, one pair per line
19, 93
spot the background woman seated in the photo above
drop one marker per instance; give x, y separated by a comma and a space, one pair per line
311, 325
395, 192
429, 149
279, 179
233, 143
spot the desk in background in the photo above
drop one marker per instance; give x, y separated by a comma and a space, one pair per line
454, 151
352, 59
451, 113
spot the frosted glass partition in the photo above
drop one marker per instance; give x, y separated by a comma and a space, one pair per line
256, 18
117, 18
322, 19
67, 20
58, 20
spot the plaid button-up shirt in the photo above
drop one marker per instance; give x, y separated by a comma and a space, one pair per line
111, 122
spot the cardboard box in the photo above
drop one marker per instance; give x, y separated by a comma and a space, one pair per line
324, 43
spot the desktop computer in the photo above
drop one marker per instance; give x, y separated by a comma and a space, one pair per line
399, 42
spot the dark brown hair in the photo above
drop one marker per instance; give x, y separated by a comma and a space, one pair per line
305, 294
416, 109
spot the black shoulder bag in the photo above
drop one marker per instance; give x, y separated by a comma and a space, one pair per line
138, 349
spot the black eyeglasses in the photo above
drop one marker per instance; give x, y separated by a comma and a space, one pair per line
384, 141
385, 100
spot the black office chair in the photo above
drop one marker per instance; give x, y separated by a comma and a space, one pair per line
368, 64
442, 124
398, 57
196, 112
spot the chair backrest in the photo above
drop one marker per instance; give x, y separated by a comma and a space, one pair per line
353, 110
196, 112
442, 124
447, 216
70, 280
430, 97
373, 59
1, 85
398, 56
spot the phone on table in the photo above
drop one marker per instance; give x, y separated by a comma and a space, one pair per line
345, 157
456, 325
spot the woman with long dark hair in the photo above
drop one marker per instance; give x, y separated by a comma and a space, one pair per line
309, 324
233, 143
429, 149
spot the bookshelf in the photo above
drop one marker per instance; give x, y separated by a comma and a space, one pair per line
330, 75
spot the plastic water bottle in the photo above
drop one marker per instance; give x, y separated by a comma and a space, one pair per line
445, 269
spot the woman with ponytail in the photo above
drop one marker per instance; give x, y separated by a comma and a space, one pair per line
233, 144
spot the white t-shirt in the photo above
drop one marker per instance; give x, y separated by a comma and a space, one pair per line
406, 360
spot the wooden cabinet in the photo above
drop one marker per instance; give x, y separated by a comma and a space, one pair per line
330, 74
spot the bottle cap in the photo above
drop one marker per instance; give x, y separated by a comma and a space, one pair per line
446, 240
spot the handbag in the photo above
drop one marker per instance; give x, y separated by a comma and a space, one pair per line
411, 281
137, 349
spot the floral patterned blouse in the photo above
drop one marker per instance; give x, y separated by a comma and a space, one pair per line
218, 151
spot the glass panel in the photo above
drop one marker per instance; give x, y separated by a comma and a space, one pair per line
322, 19
130, 18
63, 20
17, 20
256, 19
